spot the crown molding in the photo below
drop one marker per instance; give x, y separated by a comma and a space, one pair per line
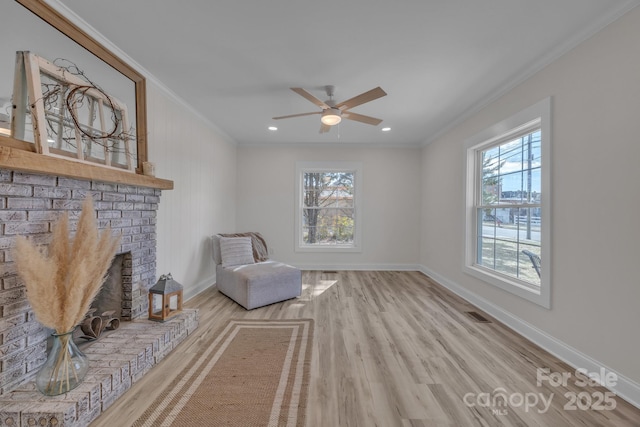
538, 65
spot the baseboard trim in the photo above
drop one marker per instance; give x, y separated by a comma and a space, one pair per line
200, 287
625, 388
359, 267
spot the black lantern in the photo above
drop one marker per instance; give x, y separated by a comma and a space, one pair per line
165, 299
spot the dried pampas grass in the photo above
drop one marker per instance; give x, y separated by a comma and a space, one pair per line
62, 284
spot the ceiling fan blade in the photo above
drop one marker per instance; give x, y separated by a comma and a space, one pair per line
361, 118
296, 115
324, 128
309, 97
362, 98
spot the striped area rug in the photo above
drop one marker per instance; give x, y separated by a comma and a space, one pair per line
253, 373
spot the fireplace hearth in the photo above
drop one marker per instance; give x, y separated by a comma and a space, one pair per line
116, 362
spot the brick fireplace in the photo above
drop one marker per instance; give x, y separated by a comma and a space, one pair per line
29, 205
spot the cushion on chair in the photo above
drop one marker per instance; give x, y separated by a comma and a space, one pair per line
259, 284
259, 245
236, 251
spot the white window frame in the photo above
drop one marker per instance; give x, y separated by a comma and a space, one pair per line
329, 166
537, 115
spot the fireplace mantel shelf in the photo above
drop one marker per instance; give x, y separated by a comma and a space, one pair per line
28, 161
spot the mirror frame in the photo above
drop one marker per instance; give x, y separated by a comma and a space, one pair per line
75, 33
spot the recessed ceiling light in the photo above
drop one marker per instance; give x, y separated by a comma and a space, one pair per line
386, 129
272, 128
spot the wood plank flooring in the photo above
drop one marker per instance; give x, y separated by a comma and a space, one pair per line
397, 349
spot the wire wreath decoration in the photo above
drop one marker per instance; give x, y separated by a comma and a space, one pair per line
65, 124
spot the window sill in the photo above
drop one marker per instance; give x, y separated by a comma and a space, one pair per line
517, 287
327, 248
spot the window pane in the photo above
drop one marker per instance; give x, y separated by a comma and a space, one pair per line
329, 226
490, 190
529, 262
487, 250
536, 152
511, 171
528, 225
308, 234
486, 237
336, 197
327, 188
511, 157
327, 211
510, 176
511, 191
490, 162
312, 188
507, 257
489, 222
536, 185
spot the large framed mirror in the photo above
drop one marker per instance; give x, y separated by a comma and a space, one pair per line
34, 26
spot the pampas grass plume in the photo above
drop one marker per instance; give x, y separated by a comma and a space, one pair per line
62, 285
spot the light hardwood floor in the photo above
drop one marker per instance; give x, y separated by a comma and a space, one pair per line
397, 349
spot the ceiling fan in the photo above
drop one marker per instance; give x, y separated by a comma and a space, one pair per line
333, 113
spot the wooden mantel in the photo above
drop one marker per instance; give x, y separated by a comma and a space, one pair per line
27, 161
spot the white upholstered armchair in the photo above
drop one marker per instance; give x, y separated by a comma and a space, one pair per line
245, 273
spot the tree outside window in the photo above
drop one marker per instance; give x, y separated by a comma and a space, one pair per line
328, 208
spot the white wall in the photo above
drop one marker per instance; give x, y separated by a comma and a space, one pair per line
596, 200
202, 165
391, 203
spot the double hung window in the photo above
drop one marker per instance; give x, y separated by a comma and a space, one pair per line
507, 199
327, 214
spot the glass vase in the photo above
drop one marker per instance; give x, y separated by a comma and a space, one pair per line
65, 368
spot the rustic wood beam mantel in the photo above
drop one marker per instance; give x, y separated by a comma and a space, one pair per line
27, 161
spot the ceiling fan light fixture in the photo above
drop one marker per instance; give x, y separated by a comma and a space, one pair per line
331, 116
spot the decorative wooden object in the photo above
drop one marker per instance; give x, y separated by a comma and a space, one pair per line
73, 118
20, 158
71, 30
165, 299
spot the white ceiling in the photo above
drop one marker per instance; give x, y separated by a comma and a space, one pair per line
234, 60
